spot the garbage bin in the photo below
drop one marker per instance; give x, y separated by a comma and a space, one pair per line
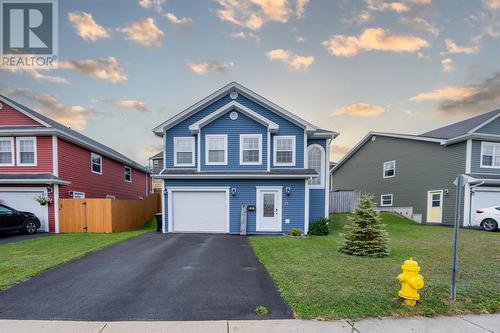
159, 222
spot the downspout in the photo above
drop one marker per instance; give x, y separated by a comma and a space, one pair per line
470, 200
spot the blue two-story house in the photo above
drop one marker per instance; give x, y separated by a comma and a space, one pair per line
233, 157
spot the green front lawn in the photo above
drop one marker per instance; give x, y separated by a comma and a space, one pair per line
319, 282
21, 260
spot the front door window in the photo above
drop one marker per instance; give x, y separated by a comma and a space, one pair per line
268, 204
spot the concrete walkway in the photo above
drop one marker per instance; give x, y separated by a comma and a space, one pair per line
459, 324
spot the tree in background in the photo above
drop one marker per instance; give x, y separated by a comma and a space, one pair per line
366, 235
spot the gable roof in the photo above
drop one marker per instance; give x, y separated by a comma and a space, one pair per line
463, 127
158, 156
68, 134
234, 86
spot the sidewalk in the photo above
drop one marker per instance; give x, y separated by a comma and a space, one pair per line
460, 324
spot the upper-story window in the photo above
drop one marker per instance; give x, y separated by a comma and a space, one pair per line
156, 163
184, 151
216, 149
251, 149
316, 161
6, 151
389, 169
490, 155
26, 151
127, 171
284, 150
96, 161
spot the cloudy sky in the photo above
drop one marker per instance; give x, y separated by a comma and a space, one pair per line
350, 66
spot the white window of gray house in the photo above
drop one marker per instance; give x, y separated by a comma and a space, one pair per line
389, 169
250, 149
284, 150
156, 163
96, 161
127, 174
490, 155
386, 200
26, 151
316, 161
216, 149
6, 151
184, 151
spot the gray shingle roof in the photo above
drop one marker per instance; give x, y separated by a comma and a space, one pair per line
44, 177
84, 139
157, 156
460, 128
285, 172
483, 176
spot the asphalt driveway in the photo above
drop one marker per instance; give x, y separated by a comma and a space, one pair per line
152, 277
13, 237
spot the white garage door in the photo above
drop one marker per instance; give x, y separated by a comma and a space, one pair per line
199, 211
24, 200
485, 197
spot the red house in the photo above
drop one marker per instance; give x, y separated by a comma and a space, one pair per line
40, 157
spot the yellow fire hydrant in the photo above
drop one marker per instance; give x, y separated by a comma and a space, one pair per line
411, 282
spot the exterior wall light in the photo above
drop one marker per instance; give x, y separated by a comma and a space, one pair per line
233, 191
287, 190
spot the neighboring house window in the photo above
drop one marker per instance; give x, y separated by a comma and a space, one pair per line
156, 163
110, 196
184, 151
6, 151
316, 161
386, 200
490, 155
96, 161
26, 151
389, 169
250, 149
284, 150
128, 174
216, 149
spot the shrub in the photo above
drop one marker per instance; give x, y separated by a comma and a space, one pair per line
320, 227
261, 310
295, 232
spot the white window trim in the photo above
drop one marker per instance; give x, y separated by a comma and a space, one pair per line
383, 169
92, 155
258, 136
321, 184
192, 151
495, 145
125, 174
382, 200
12, 151
207, 137
294, 149
18, 150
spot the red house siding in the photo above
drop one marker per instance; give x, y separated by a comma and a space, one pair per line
74, 166
44, 157
9, 116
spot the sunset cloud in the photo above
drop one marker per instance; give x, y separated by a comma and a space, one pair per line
37, 74
86, 27
183, 22
447, 65
144, 32
360, 109
421, 24
152, 4
246, 35
300, 7
492, 4
373, 39
378, 5
130, 104
452, 47
104, 69
295, 61
209, 67
446, 93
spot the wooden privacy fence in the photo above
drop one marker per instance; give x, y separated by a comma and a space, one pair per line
344, 201
106, 215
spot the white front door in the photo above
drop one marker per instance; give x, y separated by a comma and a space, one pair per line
269, 209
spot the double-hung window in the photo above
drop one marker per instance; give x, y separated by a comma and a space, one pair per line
250, 149
96, 161
284, 151
26, 151
127, 174
386, 200
6, 151
389, 169
490, 155
216, 149
184, 151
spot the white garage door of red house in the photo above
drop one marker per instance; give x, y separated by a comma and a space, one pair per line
24, 200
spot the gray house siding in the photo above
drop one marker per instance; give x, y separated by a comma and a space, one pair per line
476, 160
491, 128
420, 167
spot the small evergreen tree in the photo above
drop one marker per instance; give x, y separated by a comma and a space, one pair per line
366, 235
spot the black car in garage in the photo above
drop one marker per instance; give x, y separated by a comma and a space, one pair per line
12, 219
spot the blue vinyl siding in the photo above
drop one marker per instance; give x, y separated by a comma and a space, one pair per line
317, 196
292, 205
233, 129
476, 160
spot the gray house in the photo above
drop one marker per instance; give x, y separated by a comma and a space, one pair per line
414, 174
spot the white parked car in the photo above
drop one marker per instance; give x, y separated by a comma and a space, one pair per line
488, 218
